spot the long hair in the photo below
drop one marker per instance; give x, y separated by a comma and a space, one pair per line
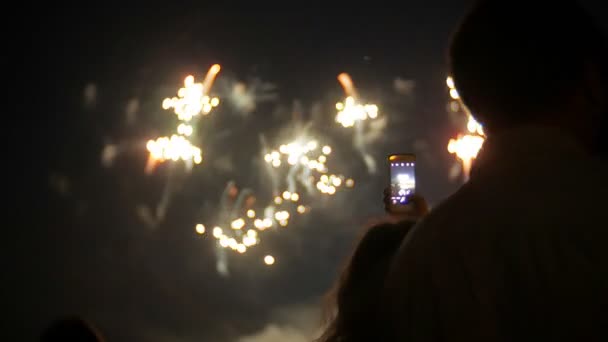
351, 305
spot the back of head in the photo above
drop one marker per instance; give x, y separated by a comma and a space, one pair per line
352, 305
516, 61
71, 329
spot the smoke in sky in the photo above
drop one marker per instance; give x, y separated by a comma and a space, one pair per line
298, 323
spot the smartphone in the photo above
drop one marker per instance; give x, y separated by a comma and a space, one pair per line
402, 174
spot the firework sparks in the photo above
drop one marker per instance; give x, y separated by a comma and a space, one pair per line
193, 98
307, 165
303, 161
467, 146
352, 113
175, 148
191, 101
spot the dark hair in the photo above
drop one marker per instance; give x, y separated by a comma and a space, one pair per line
351, 306
512, 61
73, 329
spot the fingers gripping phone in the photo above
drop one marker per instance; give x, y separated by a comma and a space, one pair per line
402, 172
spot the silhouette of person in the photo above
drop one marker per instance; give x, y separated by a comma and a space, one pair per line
519, 252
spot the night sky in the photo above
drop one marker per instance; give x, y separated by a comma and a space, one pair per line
73, 241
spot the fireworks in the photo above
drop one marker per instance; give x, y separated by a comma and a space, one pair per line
191, 101
300, 168
351, 113
175, 148
307, 164
299, 153
465, 147
304, 162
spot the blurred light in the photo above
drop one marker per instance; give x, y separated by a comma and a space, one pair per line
454, 94
167, 103
269, 260
175, 148
238, 223
249, 241
336, 181
281, 215
295, 197
286, 195
184, 129
200, 228
217, 232
292, 160
189, 81
191, 100
474, 127
224, 241
278, 200
372, 111
232, 243
251, 213
450, 82
350, 183
301, 209
241, 248
454, 106
466, 147
326, 150
351, 112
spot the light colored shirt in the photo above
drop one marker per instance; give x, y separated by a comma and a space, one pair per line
519, 253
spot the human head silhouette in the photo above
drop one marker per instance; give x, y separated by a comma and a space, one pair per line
520, 62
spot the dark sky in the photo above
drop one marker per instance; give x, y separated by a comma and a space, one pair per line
87, 253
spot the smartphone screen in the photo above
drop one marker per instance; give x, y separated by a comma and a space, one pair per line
403, 178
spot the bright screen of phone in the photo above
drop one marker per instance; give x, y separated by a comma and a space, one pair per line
403, 181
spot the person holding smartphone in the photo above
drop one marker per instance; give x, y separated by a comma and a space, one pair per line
352, 306
515, 254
